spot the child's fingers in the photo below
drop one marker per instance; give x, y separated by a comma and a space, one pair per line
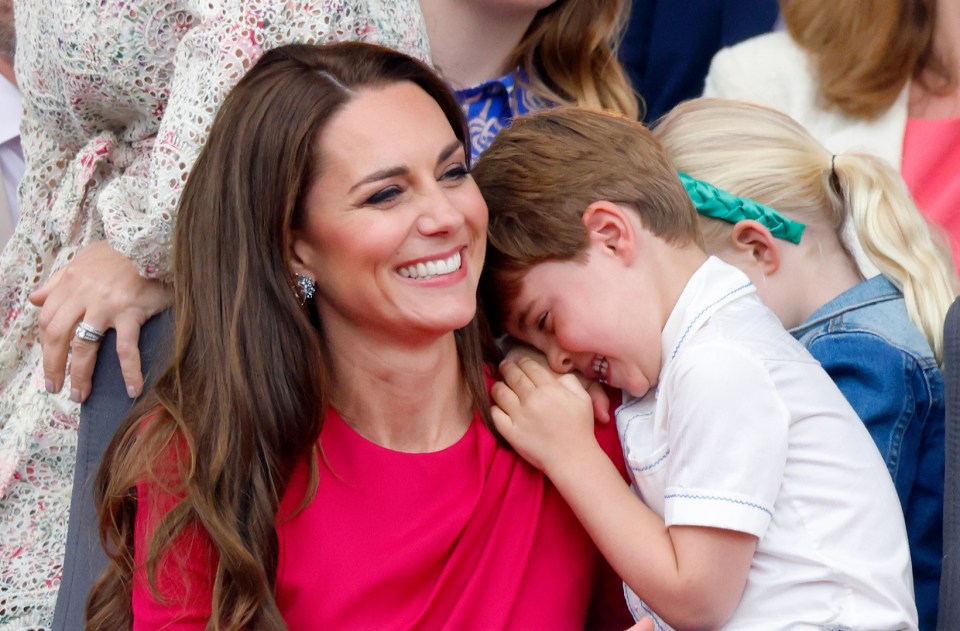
601, 402
537, 373
502, 421
503, 396
572, 383
516, 377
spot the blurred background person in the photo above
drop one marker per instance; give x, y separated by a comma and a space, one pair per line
874, 75
668, 45
505, 58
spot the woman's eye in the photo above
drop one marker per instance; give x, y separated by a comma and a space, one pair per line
456, 172
383, 196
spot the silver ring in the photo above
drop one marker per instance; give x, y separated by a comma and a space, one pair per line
88, 333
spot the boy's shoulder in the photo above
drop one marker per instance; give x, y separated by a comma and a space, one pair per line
719, 310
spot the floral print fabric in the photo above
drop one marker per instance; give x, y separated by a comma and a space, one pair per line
490, 106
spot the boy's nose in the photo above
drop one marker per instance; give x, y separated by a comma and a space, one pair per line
558, 360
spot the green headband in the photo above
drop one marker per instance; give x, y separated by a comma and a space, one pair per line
711, 201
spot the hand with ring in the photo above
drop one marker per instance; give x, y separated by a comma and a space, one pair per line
88, 333
98, 290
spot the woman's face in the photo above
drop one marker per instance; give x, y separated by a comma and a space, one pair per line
395, 230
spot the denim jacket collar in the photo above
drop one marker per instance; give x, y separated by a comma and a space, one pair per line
875, 290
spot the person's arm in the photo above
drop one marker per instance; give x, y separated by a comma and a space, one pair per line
874, 377
115, 284
689, 575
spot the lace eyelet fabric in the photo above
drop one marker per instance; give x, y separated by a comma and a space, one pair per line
118, 98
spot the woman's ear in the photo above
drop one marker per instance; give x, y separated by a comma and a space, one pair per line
608, 225
753, 239
300, 255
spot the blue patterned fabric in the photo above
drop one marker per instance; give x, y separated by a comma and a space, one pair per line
490, 106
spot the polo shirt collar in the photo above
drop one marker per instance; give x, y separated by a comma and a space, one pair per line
712, 286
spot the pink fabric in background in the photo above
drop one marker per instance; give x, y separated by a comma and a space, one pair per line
931, 169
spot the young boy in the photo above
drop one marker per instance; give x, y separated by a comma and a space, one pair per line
763, 502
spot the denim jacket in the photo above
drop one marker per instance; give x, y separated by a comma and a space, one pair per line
884, 366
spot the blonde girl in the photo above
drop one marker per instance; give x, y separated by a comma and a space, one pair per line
805, 225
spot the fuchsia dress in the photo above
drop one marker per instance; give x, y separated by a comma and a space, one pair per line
469, 537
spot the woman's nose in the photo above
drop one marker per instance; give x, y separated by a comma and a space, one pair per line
439, 215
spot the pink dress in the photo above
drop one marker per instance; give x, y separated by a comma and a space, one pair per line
931, 162
469, 537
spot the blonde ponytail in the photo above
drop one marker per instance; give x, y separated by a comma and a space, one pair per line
762, 154
897, 239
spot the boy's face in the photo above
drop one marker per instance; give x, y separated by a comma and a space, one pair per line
587, 316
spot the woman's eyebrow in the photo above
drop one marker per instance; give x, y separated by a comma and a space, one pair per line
449, 151
390, 172
383, 174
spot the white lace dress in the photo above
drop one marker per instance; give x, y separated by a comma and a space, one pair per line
118, 97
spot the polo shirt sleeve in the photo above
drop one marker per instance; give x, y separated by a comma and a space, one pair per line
728, 431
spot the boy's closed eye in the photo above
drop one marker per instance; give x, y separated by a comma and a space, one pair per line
542, 321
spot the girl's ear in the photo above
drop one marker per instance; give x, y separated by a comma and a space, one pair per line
609, 226
754, 240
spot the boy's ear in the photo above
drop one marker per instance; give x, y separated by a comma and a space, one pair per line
754, 240
608, 225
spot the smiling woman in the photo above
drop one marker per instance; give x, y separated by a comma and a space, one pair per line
324, 461
393, 206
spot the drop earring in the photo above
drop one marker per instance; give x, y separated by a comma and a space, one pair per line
305, 288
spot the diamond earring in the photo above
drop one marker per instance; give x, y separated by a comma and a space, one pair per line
306, 288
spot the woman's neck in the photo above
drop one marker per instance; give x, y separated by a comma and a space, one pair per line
471, 44
405, 398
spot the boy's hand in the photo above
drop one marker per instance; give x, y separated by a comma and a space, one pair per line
547, 419
598, 395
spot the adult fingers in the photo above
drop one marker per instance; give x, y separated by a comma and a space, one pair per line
83, 358
128, 350
56, 334
39, 297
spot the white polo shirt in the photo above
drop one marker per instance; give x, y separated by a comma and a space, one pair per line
746, 432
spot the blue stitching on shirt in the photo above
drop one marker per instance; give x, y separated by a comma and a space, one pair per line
652, 464
704, 310
691, 496
653, 616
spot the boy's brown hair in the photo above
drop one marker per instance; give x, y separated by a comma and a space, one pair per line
543, 171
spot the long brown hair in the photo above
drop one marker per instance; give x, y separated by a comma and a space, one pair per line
865, 51
569, 56
245, 396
